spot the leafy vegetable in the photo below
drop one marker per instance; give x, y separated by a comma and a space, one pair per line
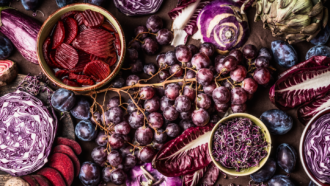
302, 84
134, 8
138, 175
316, 148
184, 17
8, 72
306, 112
194, 178
239, 144
23, 31
27, 131
211, 175
185, 154
223, 24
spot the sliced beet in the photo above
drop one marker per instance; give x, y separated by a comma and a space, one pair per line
45, 50
69, 142
42, 180
95, 41
107, 26
112, 61
98, 69
59, 35
70, 83
71, 30
61, 73
117, 44
92, 19
85, 81
68, 14
63, 164
79, 18
74, 76
69, 152
66, 56
52, 59
52, 175
84, 59
30, 180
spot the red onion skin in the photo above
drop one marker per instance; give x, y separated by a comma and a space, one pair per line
22, 31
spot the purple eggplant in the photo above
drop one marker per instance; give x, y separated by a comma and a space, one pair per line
22, 31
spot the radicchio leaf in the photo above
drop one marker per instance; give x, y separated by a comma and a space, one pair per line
301, 85
306, 112
185, 154
184, 17
211, 175
194, 178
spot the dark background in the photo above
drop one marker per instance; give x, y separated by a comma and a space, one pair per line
260, 103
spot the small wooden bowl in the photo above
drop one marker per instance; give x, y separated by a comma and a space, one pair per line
244, 172
47, 28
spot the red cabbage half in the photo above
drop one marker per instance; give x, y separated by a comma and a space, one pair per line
185, 154
138, 7
224, 24
316, 148
27, 131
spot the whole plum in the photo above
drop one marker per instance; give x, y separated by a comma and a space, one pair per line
286, 157
280, 180
89, 173
311, 183
284, 54
266, 172
319, 50
62, 3
96, 2
277, 121
322, 37
6, 47
82, 109
63, 100
85, 130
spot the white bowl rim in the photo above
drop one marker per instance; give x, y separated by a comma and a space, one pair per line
301, 148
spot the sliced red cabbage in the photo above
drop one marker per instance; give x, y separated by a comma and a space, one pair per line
316, 149
27, 131
185, 154
224, 24
184, 18
194, 178
135, 8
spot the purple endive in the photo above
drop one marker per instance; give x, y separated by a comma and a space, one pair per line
145, 173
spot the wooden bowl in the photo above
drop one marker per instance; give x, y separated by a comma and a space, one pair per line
47, 28
251, 170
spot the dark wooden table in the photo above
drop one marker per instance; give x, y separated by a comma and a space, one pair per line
256, 106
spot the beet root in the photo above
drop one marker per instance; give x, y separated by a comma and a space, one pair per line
69, 152
8, 72
63, 164
52, 175
69, 142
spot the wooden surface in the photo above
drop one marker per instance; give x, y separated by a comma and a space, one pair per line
260, 102
65, 125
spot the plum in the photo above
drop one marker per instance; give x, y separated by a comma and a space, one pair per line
82, 109
63, 100
277, 121
4, 2
266, 172
6, 47
281, 180
89, 174
311, 183
322, 37
286, 157
85, 130
319, 50
284, 54
62, 3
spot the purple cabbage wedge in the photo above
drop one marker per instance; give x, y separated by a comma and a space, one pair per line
301, 85
135, 8
136, 177
185, 154
194, 178
224, 24
22, 31
316, 149
184, 17
27, 131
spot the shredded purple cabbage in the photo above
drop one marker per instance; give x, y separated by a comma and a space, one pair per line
239, 144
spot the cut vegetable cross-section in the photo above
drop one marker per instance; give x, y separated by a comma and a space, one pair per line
66, 56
